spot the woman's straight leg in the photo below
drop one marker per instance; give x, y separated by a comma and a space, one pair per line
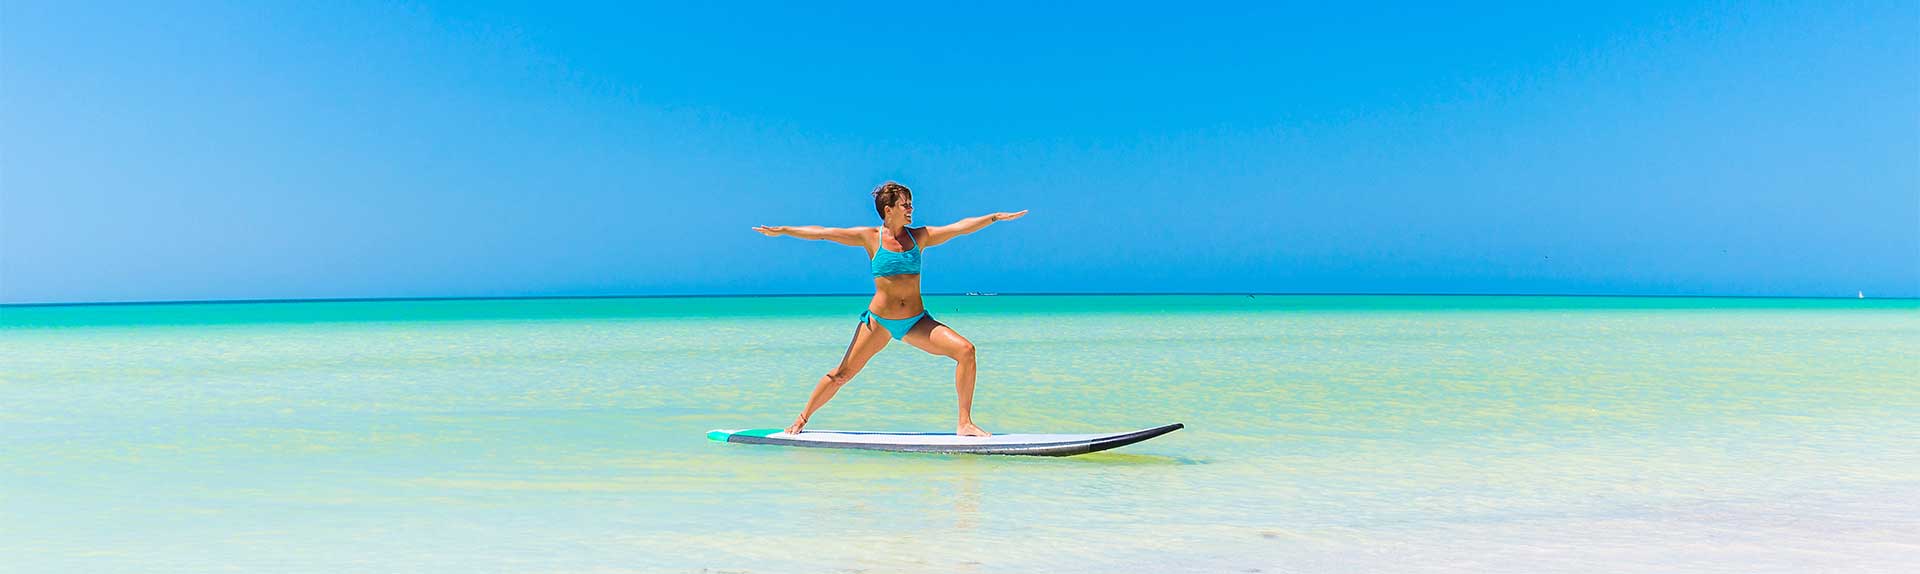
867, 341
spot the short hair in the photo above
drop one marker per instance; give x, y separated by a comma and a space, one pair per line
887, 194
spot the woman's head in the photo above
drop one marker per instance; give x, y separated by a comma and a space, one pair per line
893, 197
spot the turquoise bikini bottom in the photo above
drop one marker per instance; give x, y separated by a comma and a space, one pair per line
896, 327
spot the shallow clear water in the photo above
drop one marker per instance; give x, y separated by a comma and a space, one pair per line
1324, 434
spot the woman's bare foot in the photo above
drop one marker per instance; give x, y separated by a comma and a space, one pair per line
796, 426
968, 429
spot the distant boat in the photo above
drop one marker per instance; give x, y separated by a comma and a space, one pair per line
1863, 294
979, 294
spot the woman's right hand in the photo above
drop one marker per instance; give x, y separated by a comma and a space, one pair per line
771, 230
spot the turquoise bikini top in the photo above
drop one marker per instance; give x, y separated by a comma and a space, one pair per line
889, 263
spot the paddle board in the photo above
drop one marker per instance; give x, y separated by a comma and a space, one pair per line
1028, 444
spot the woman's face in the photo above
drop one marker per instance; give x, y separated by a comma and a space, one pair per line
903, 209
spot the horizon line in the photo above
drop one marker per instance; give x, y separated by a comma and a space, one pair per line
966, 294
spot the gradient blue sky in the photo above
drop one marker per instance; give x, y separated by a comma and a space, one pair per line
159, 151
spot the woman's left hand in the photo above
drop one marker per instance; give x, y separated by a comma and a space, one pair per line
1005, 216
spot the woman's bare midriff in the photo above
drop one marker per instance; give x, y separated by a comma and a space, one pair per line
896, 296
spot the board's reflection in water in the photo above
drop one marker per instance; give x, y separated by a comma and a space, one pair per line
966, 501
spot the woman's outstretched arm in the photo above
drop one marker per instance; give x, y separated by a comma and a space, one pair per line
939, 234
855, 236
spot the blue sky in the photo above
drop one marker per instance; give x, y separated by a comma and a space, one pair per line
314, 150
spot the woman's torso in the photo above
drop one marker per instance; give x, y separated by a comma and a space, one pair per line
895, 296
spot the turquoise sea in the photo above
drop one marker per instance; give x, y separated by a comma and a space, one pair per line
1324, 434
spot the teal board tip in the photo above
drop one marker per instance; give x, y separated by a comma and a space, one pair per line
723, 435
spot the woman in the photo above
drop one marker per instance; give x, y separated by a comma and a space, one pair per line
896, 309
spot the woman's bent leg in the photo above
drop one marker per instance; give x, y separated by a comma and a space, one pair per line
933, 337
